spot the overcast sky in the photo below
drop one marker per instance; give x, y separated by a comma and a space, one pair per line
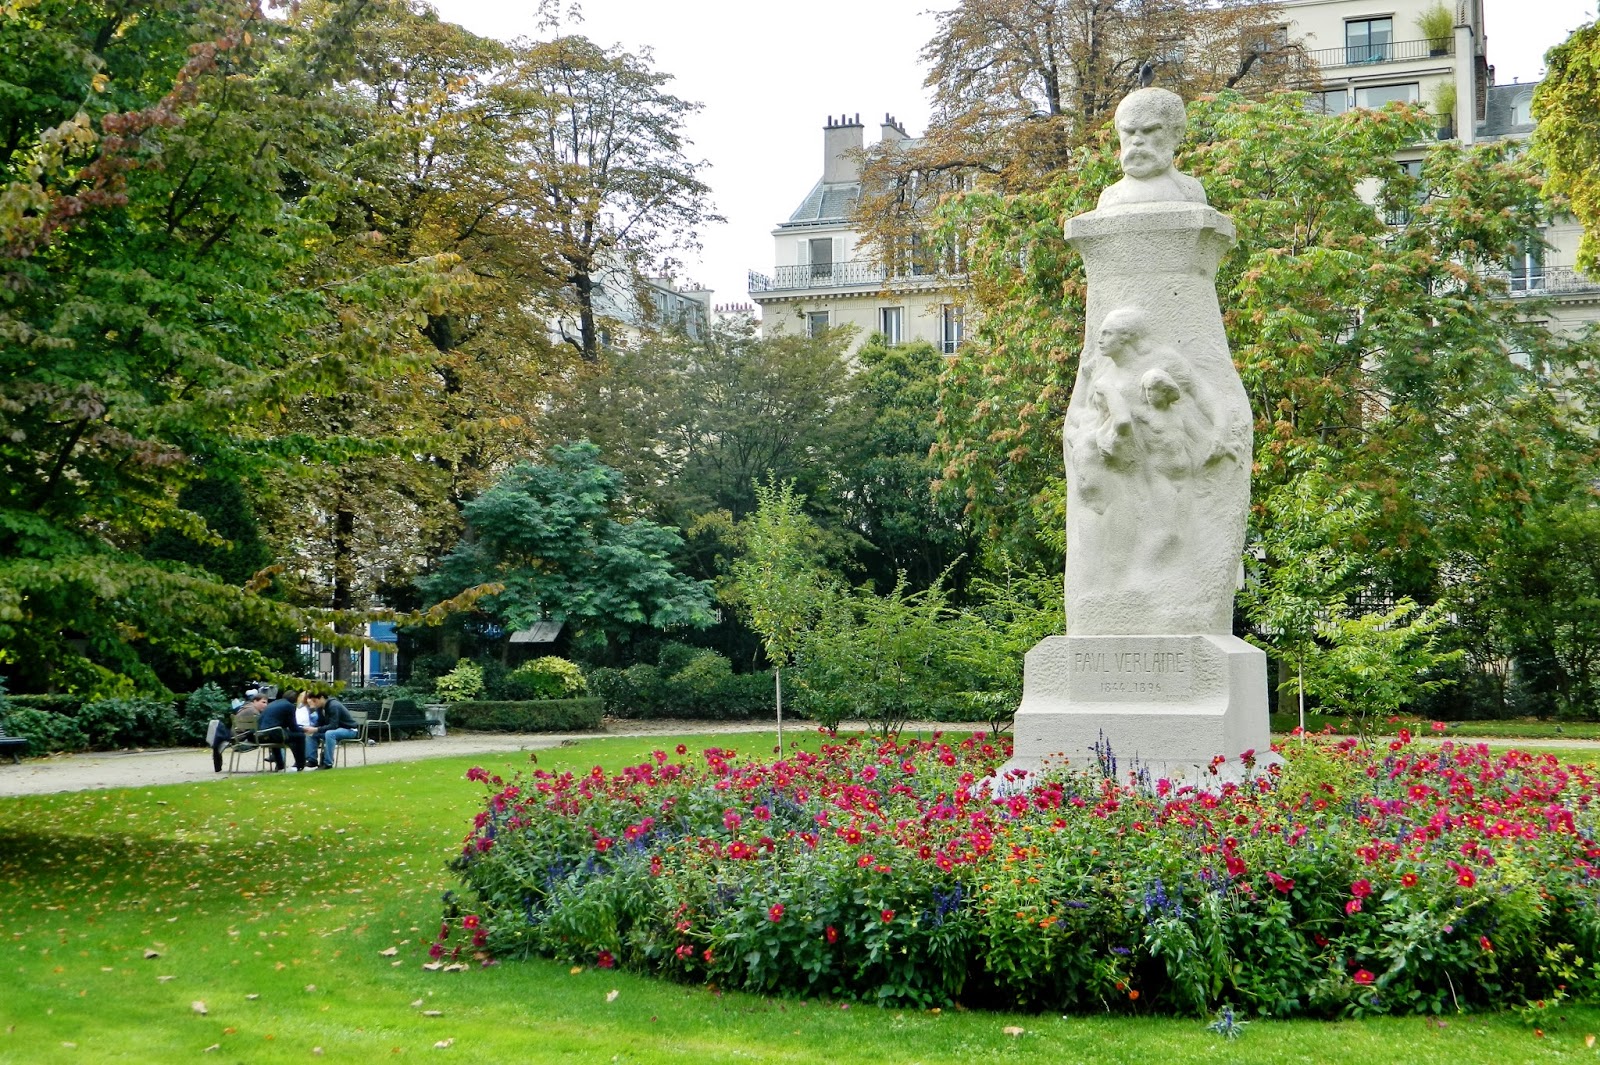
770, 75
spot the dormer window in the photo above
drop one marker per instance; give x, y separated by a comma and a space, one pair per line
1522, 110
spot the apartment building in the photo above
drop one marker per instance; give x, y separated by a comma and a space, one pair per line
824, 276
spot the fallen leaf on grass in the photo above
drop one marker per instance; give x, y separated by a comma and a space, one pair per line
310, 988
198, 1006
611, 996
575, 970
398, 961
150, 955
164, 979
433, 966
251, 998
1012, 1030
213, 1046
70, 1046
317, 1051
417, 1003
433, 1013
458, 967
1588, 1041
443, 1044
391, 952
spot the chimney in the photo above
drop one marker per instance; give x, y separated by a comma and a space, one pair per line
841, 139
892, 132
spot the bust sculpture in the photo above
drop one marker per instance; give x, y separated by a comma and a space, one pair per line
1150, 125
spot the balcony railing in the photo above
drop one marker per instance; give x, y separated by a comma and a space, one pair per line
1373, 54
1546, 281
854, 273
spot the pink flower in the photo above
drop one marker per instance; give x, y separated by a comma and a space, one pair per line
684, 952
730, 821
1281, 883
1361, 888
1363, 977
1353, 906
605, 960
775, 912
469, 921
1483, 941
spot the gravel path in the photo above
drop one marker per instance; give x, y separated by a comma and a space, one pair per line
189, 765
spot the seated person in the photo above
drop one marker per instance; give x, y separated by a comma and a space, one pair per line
245, 716
277, 725
307, 719
338, 723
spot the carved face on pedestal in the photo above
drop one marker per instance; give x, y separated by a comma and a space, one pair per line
1120, 332
1150, 125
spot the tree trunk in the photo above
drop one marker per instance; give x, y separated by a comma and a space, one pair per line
344, 536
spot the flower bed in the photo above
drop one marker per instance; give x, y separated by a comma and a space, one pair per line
1347, 881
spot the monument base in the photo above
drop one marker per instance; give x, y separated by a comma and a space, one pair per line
1165, 706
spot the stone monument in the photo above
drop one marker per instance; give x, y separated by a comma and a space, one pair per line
1158, 454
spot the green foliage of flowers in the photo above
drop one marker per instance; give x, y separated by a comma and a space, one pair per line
1347, 880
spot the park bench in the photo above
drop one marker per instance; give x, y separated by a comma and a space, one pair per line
12, 745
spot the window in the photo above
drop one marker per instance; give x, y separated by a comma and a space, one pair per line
891, 323
1401, 215
1376, 96
1522, 110
816, 323
952, 328
1527, 264
1367, 40
1332, 102
821, 249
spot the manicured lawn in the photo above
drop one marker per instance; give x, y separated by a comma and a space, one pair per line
1511, 728
274, 900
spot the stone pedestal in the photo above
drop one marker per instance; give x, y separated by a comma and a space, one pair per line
1166, 704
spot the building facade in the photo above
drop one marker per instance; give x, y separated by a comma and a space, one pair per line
824, 277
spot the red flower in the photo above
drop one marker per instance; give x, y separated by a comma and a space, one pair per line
1483, 941
1353, 906
1467, 877
1234, 863
1281, 883
1361, 889
887, 915
775, 912
730, 820
655, 865
1408, 880
469, 921
864, 861
684, 952
1363, 977
1439, 726
605, 960
683, 748
706, 954
832, 934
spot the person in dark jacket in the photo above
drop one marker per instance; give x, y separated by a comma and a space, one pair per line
338, 723
279, 715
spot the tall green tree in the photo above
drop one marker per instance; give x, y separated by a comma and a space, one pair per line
165, 312
1373, 338
557, 541
1567, 139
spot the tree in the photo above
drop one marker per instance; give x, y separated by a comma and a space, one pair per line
1372, 337
1019, 85
1567, 139
775, 581
166, 312
615, 190
554, 540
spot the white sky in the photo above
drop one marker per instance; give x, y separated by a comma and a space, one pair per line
769, 75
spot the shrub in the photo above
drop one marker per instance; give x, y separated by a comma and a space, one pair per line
536, 715
543, 678
705, 687
465, 681
673, 656
1347, 881
203, 705
46, 732
54, 704
134, 722
425, 669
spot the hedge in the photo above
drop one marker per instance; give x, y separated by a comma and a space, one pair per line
704, 687
537, 715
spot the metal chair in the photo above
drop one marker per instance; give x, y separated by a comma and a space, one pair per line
341, 747
373, 724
